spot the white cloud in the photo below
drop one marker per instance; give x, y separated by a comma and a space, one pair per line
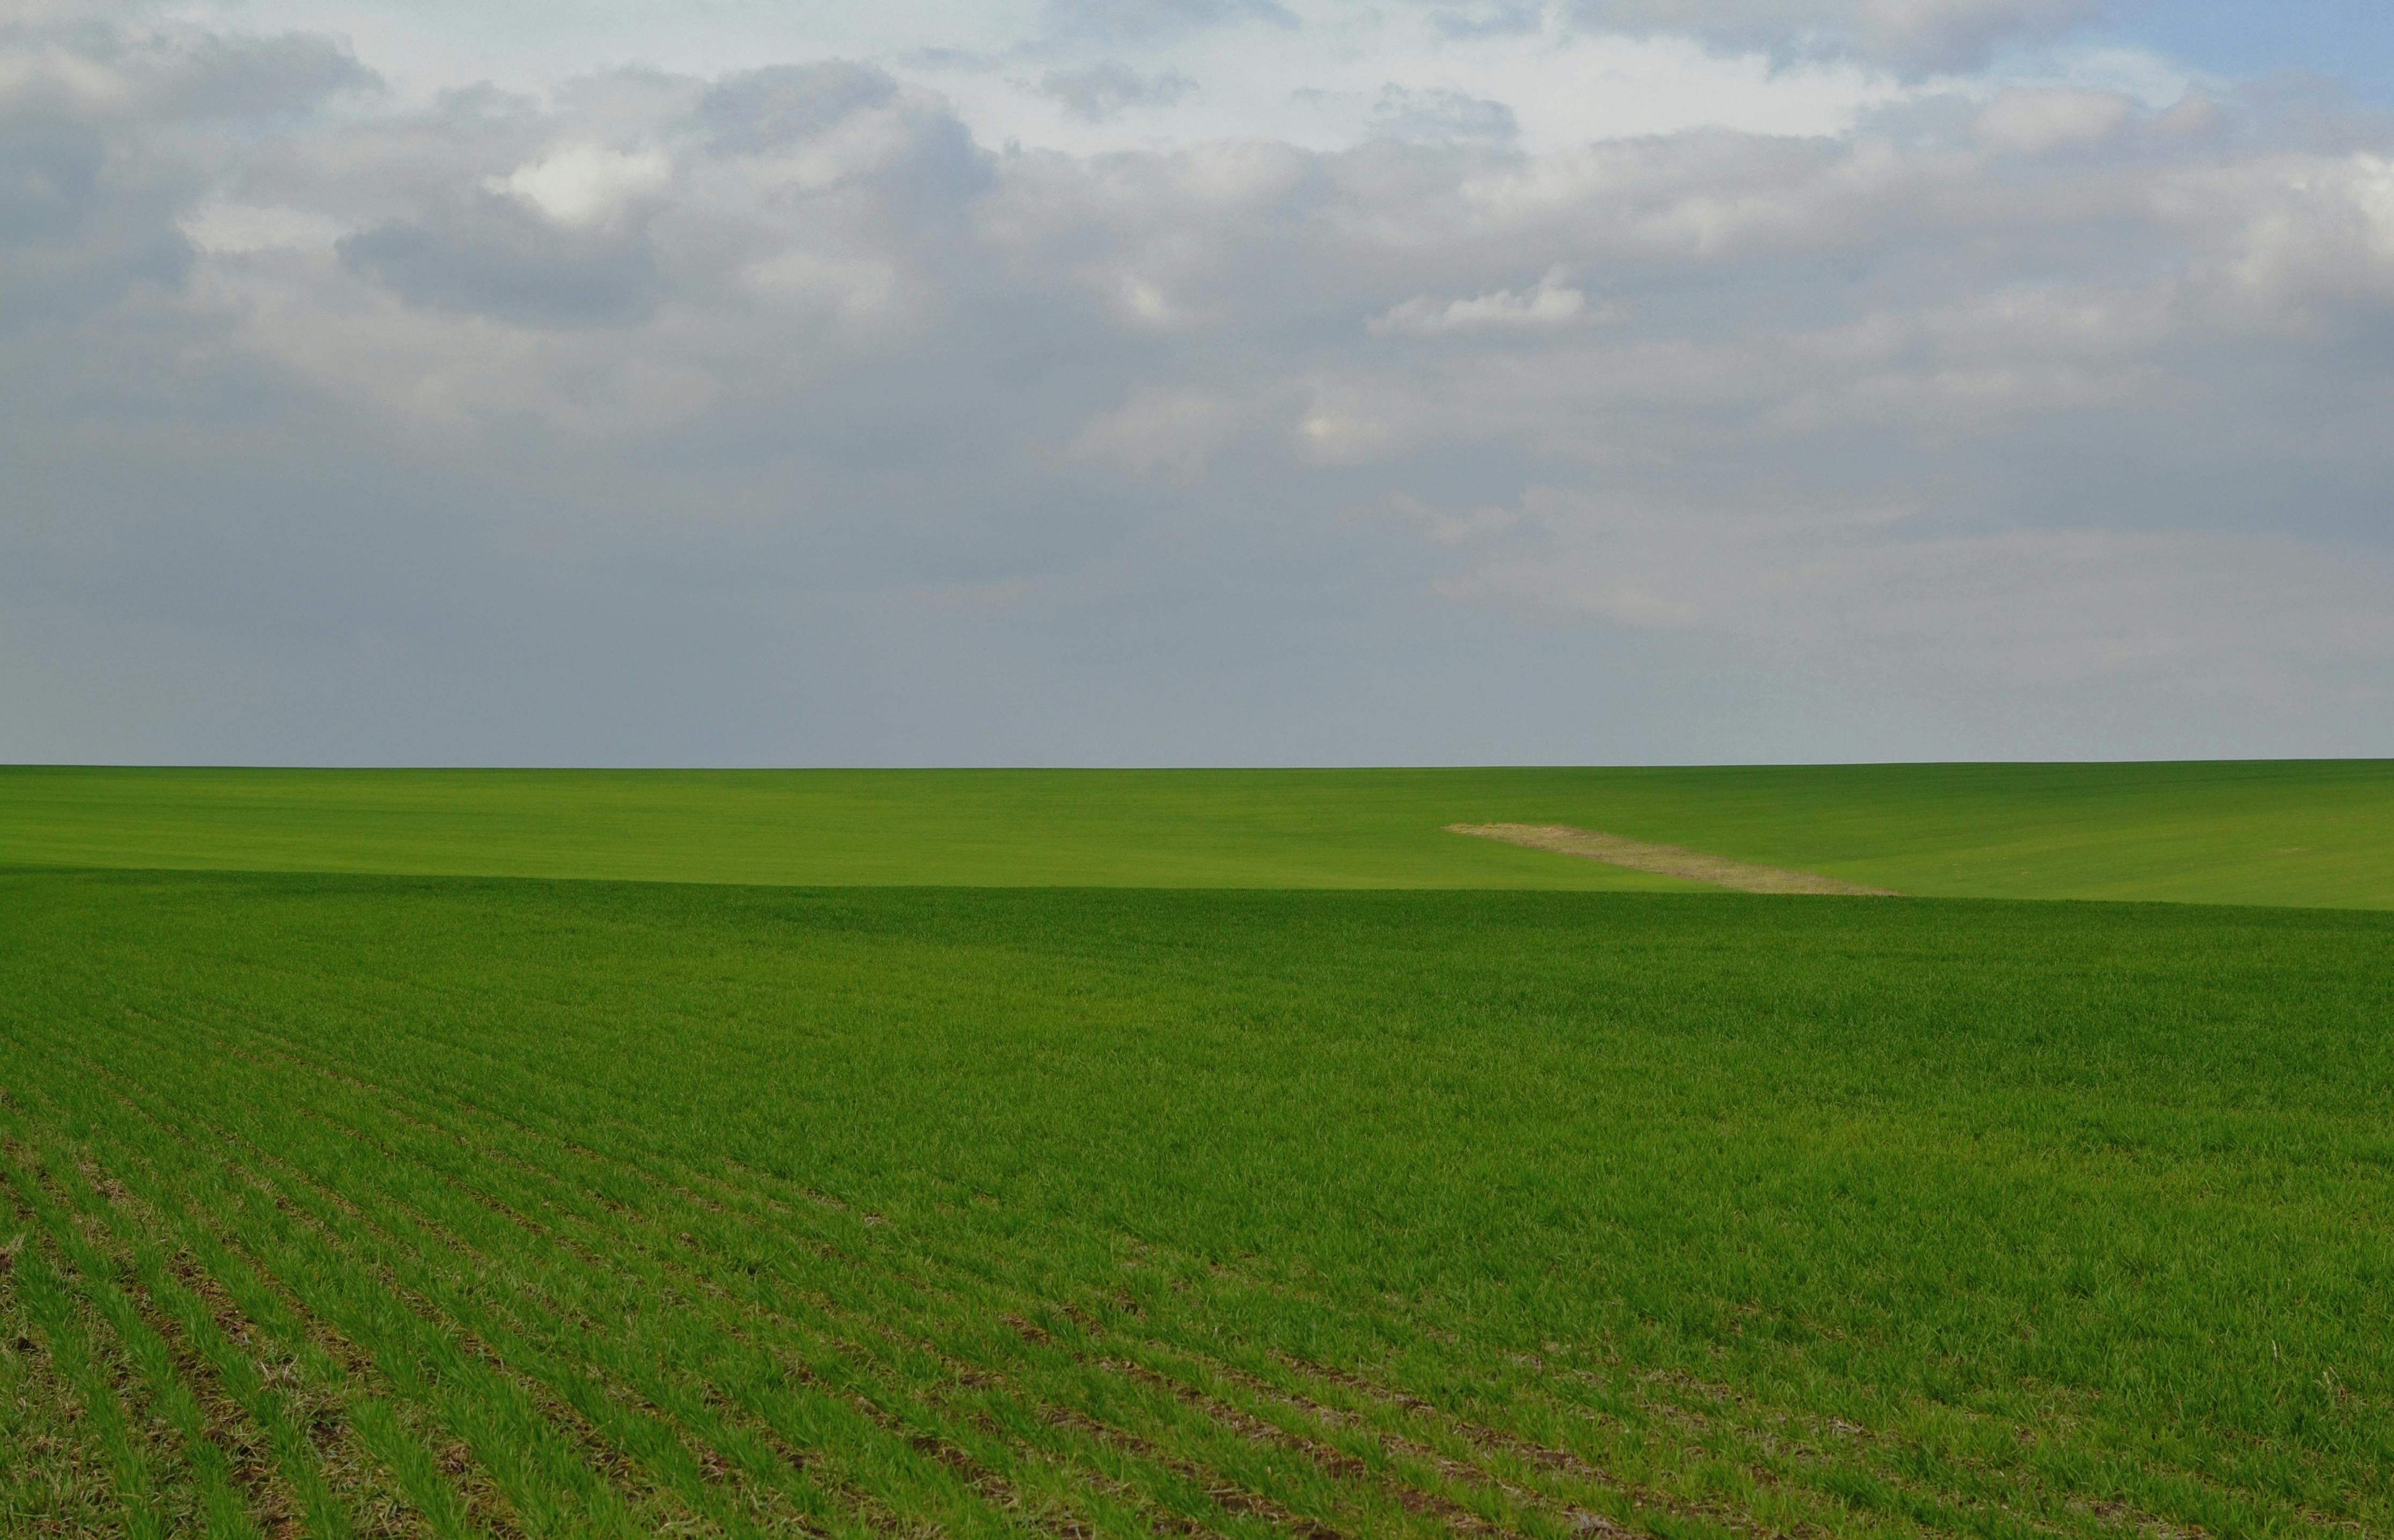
1550, 302
230, 227
585, 184
2038, 123
1340, 433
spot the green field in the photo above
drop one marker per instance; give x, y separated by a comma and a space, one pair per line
356, 1202
2292, 832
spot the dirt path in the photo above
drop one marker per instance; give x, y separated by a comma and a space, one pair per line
1667, 860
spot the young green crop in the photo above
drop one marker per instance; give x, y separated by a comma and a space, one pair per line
568, 1208
2307, 833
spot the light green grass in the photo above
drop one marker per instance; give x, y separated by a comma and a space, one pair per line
2313, 833
621, 1209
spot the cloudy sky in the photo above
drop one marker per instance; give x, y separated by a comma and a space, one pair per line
1195, 381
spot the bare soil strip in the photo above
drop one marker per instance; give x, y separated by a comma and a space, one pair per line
1669, 860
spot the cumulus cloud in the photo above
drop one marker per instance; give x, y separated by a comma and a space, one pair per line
582, 185
775, 412
107, 140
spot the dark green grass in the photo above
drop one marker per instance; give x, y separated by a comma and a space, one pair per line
2309, 833
613, 1208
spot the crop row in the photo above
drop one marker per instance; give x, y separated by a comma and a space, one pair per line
282, 1289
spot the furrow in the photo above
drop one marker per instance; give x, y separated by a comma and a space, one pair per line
278, 1467
518, 1220
687, 1193
223, 1508
341, 1487
521, 1330
321, 1282
1665, 1443
1415, 1500
282, 1204
679, 1265
712, 1204
147, 1500
557, 1475
457, 1457
55, 1479
375, 1446
991, 1486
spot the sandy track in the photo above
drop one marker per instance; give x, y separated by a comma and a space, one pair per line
1669, 860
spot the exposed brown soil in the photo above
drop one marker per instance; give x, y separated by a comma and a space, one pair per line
1669, 860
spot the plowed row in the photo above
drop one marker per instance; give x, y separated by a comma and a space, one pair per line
472, 1333
266, 1280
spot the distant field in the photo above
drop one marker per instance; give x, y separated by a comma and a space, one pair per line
355, 1204
2311, 832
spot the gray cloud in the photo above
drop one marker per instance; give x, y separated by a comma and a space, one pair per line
1408, 113
1914, 36
1489, 18
1120, 21
771, 417
773, 108
491, 255
252, 79
71, 240
1106, 90
98, 164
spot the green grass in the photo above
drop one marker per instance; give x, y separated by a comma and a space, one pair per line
2314, 832
1225, 1154
472, 1207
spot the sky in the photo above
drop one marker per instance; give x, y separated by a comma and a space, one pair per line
1124, 382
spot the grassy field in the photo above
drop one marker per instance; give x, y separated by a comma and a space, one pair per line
355, 1204
1206, 1153
2317, 832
